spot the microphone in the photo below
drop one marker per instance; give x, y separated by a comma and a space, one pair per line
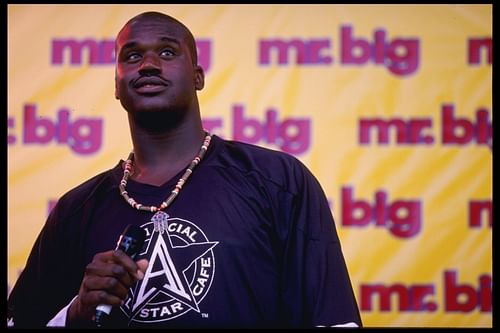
131, 241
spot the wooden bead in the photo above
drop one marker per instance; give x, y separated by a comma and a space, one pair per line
128, 167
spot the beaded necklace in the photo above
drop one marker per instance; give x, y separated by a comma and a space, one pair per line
128, 169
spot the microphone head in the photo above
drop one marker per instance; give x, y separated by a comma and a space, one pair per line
131, 240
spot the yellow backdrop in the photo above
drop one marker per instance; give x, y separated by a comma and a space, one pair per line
389, 106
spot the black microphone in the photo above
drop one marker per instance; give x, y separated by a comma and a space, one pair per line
131, 241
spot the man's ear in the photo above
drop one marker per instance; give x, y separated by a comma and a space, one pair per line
199, 77
117, 90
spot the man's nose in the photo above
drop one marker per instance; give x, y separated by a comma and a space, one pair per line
150, 63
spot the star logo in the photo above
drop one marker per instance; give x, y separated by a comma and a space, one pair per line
180, 271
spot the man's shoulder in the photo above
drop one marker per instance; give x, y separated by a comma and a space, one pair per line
255, 155
77, 196
274, 165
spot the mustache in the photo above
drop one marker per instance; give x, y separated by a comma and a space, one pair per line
155, 80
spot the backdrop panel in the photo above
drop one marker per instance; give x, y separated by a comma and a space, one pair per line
390, 106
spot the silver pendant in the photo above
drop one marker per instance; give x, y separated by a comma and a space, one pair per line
160, 222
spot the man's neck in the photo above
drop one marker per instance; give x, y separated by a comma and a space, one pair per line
160, 156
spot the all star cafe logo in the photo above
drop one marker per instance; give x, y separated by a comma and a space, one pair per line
180, 271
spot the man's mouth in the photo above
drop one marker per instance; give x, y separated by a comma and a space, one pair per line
148, 85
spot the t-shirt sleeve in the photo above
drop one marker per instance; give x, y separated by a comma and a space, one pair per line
48, 282
55, 265
317, 275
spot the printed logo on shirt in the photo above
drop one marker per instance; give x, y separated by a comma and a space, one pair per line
180, 271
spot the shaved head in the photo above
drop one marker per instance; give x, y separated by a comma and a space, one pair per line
157, 16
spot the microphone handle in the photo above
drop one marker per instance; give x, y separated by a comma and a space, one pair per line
101, 312
130, 242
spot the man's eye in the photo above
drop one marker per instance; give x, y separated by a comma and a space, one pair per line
133, 56
167, 53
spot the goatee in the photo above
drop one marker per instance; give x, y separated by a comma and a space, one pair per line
158, 121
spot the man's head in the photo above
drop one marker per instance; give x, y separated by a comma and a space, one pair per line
156, 66
190, 41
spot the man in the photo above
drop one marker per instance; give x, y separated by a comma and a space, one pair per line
236, 235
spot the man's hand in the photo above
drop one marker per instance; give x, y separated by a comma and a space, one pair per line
107, 280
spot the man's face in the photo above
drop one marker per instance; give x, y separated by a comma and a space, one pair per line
154, 67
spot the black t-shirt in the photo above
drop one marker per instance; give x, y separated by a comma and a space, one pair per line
250, 241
